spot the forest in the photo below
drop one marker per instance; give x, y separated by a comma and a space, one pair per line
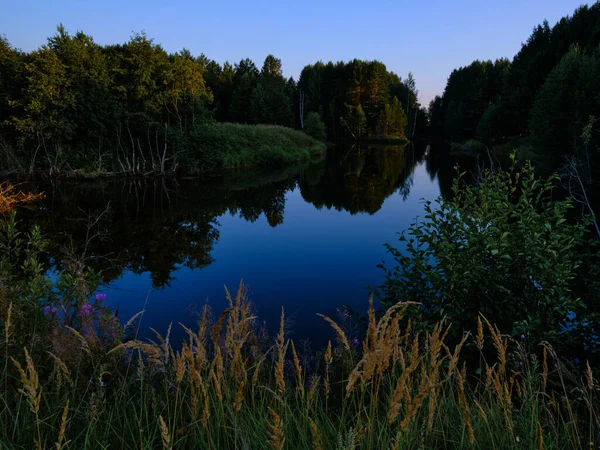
544, 102
134, 108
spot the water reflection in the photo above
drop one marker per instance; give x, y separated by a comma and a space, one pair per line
359, 179
157, 226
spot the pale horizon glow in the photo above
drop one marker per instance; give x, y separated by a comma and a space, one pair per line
429, 38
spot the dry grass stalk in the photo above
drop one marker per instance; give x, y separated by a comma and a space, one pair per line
381, 347
217, 384
281, 351
31, 383
479, 339
179, 366
216, 329
7, 324
454, 357
340, 333
589, 376
84, 344
544, 369
315, 435
298, 367
164, 345
540, 437
256, 375
414, 405
354, 377
401, 389
132, 320
328, 360
164, 432
462, 399
206, 409
482, 413
312, 391
500, 344
62, 371
275, 431
153, 352
372, 328
239, 395
60, 443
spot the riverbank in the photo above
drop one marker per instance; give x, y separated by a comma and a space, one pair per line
233, 146
210, 147
230, 386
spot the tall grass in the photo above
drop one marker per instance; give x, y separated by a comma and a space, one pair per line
215, 146
228, 385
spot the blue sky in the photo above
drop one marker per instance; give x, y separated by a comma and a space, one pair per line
427, 37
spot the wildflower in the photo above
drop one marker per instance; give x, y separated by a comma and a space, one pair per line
522, 337
86, 310
100, 298
355, 341
50, 310
571, 315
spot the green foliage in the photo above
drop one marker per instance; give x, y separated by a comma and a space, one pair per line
314, 126
227, 146
565, 101
549, 90
503, 248
131, 108
395, 120
356, 99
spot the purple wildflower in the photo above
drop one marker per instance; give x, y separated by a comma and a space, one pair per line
50, 310
86, 310
100, 298
355, 341
522, 337
521, 363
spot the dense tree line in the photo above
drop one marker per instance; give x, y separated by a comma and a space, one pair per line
135, 108
361, 99
549, 91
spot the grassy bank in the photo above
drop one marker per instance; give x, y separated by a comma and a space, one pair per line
230, 386
228, 146
208, 147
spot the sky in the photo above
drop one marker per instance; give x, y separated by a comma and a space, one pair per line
429, 38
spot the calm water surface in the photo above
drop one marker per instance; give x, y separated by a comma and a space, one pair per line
307, 238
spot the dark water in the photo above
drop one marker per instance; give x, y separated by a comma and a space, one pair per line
307, 238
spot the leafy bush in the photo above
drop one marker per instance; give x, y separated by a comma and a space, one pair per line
503, 248
314, 126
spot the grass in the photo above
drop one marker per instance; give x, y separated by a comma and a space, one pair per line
230, 386
229, 146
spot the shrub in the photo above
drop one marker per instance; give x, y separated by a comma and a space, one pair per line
314, 127
504, 248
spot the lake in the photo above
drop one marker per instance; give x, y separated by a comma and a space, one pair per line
307, 237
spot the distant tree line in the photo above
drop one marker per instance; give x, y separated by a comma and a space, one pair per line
548, 93
135, 108
361, 99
